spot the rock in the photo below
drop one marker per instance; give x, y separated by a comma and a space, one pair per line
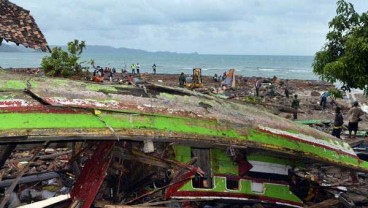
49, 150
315, 94
316, 107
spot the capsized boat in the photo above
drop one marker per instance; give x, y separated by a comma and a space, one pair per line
206, 149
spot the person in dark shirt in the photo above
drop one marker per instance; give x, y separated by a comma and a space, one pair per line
354, 118
338, 122
295, 105
182, 80
154, 68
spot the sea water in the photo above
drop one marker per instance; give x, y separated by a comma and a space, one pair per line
291, 67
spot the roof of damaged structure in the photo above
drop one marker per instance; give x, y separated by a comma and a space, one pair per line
64, 110
18, 26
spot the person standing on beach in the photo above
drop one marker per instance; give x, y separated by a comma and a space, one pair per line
286, 88
338, 122
258, 86
295, 106
182, 80
354, 117
154, 68
133, 68
272, 91
323, 102
138, 67
111, 75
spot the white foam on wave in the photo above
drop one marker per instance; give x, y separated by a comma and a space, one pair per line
299, 71
266, 69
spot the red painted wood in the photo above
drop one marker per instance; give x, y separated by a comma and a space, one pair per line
92, 175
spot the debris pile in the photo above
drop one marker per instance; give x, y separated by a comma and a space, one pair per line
27, 178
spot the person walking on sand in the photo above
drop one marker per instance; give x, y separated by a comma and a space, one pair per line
133, 68
258, 86
354, 117
295, 106
154, 68
338, 122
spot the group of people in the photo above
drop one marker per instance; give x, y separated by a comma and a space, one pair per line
220, 78
136, 68
354, 114
272, 88
99, 72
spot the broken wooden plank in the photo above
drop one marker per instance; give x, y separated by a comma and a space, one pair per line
146, 159
92, 176
47, 202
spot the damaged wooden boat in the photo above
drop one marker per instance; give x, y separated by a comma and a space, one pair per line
168, 146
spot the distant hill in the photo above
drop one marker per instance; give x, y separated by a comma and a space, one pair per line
109, 49
14, 48
121, 50
8, 48
89, 49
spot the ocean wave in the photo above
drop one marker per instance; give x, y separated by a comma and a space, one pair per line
299, 71
266, 69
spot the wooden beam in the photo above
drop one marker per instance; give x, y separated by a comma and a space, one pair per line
143, 158
48, 202
92, 176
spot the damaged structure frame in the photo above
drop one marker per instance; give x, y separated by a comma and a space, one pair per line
166, 145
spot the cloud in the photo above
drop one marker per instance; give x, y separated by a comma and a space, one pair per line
206, 26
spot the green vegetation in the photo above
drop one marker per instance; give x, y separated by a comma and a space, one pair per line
251, 99
335, 93
344, 56
64, 63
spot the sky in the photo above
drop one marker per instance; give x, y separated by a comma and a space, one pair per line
244, 27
